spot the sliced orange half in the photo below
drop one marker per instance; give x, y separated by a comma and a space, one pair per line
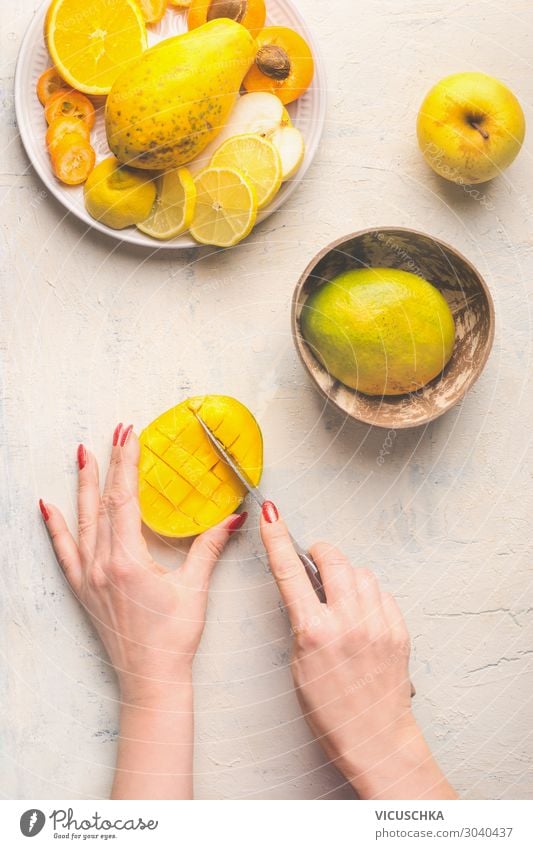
92, 41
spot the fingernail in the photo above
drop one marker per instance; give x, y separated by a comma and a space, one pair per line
125, 435
237, 522
116, 434
270, 512
44, 511
82, 457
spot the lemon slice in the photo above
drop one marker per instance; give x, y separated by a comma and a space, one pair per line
226, 207
91, 41
256, 158
173, 209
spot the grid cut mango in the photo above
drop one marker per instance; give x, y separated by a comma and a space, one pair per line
184, 486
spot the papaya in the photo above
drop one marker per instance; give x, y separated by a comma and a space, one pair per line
165, 108
184, 485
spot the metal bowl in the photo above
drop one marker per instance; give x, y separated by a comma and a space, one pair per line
465, 291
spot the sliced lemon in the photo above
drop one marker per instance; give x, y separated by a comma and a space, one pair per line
226, 207
256, 158
91, 41
173, 210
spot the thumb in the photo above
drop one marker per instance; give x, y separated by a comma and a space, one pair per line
207, 549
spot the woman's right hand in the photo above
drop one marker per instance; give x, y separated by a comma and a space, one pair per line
350, 668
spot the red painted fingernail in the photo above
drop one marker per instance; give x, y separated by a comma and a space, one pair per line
237, 522
116, 434
44, 511
270, 512
82, 457
125, 435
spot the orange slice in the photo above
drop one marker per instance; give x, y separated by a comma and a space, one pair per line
92, 41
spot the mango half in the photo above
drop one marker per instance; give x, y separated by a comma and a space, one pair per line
184, 486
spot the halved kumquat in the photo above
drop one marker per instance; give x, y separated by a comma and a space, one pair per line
72, 160
71, 104
50, 83
66, 126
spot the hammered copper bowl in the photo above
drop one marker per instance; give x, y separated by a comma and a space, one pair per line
462, 286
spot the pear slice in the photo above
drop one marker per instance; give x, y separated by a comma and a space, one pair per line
291, 148
258, 112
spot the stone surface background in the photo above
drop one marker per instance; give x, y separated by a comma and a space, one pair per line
93, 332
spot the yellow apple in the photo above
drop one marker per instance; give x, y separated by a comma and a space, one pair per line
470, 127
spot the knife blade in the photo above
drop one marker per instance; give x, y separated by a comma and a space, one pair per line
309, 564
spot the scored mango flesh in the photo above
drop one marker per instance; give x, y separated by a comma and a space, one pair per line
184, 485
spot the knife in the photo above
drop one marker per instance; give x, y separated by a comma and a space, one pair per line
309, 564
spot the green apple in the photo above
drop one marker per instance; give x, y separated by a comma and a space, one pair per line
470, 127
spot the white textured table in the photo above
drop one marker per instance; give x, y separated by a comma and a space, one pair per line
93, 333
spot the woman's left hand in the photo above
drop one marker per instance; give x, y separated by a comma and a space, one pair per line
149, 618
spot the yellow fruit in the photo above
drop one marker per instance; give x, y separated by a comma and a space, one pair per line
72, 159
118, 196
379, 330
184, 486
290, 145
286, 121
180, 4
283, 64
250, 13
257, 113
62, 127
165, 109
470, 128
256, 158
173, 210
153, 10
226, 207
92, 41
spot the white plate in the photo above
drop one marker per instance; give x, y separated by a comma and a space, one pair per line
307, 113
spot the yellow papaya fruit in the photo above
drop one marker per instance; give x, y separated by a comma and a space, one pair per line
184, 486
164, 109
